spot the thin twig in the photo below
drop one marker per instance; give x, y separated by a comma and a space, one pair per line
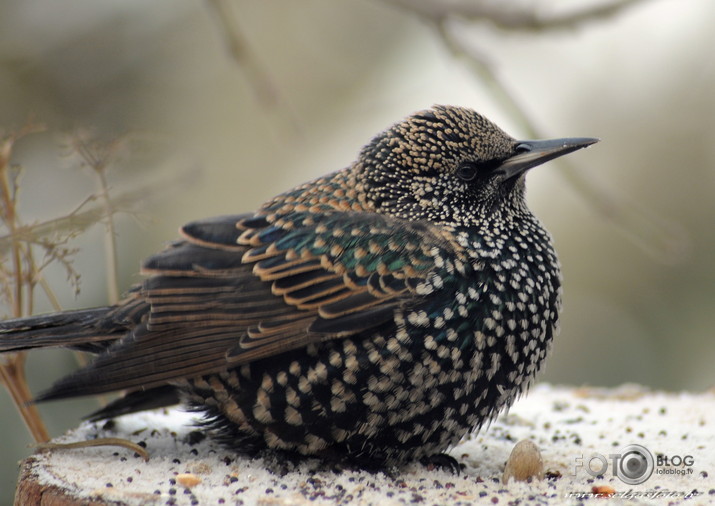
99, 157
12, 368
513, 15
54, 301
10, 219
257, 75
104, 441
79, 220
240, 50
12, 373
110, 241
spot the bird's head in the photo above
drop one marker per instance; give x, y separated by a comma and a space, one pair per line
451, 165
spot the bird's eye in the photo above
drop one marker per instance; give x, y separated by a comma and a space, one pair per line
467, 171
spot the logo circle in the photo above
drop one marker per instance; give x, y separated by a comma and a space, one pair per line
635, 465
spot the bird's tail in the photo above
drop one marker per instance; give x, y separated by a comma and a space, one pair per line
92, 330
81, 330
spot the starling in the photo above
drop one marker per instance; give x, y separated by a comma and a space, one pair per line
375, 315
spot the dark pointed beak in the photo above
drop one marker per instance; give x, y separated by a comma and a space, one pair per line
529, 154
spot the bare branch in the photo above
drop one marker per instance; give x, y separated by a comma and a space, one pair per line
12, 368
99, 156
20, 274
90, 212
103, 441
12, 375
513, 15
239, 49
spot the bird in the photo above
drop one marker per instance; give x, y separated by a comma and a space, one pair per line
374, 315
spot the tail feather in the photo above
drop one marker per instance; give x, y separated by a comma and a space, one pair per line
80, 329
138, 400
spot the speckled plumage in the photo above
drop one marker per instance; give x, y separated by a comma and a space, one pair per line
376, 314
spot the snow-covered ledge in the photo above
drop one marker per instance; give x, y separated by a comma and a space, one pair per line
572, 427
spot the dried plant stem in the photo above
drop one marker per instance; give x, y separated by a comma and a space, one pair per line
110, 243
54, 301
104, 441
12, 369
13, 376
75, 222
39, 279
98, 158
10, 219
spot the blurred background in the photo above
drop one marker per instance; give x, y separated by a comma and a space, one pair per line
218, 105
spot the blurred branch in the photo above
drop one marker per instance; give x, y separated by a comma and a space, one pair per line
75, 223
20, 276
12, 368
99, 156
39, 278
239, 48
12, 375
8, 199
257, 75
88, 213
513, 15
662, 240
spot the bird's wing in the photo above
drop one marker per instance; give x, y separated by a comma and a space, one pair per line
238, 289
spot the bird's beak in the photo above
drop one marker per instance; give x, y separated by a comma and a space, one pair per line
532, 153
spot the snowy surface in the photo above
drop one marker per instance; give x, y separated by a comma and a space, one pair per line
566, 424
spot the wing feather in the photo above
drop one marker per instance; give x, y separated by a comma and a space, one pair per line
242, 288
